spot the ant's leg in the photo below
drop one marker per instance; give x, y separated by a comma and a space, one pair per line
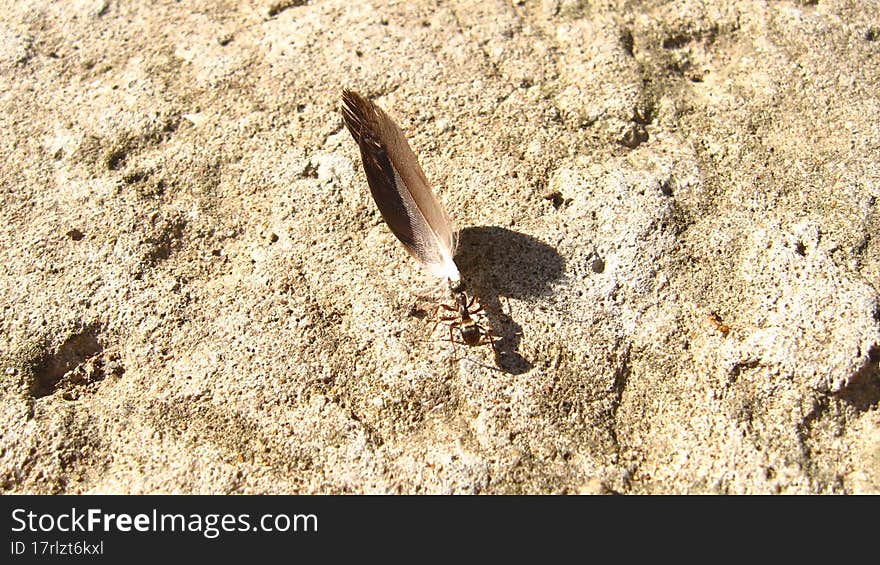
443, 320
452, 323
444, 307
452, 338
491, 337
436, 319
434, 327
488, 338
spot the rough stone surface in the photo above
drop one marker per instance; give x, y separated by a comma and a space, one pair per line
668, 208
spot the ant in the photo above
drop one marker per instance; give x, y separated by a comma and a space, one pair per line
472, 333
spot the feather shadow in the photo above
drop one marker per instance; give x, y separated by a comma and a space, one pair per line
498, 262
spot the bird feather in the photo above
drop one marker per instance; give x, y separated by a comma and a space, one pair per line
399, 187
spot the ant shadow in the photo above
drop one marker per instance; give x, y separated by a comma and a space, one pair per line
498, 262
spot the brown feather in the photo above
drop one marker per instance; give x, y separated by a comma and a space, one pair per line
399, 187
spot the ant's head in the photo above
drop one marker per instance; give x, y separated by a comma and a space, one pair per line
470, 334
456, 286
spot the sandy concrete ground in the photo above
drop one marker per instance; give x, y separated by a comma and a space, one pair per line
670, 210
